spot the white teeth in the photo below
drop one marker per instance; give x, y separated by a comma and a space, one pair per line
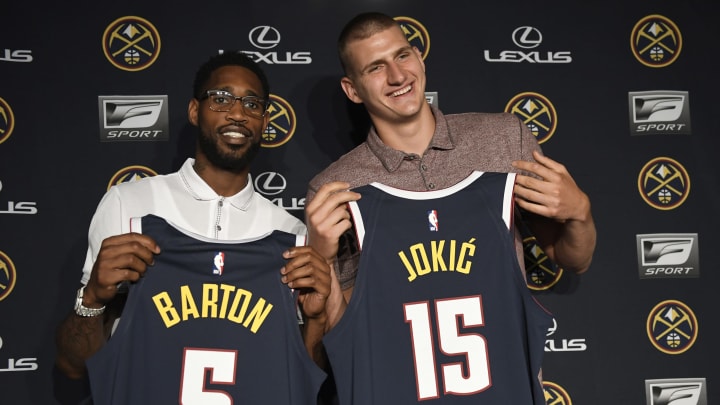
402, 91
234, 134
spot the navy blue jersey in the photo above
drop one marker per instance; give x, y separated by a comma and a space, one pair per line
209, 323
440, 311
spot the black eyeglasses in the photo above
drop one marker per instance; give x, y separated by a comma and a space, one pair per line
223, 101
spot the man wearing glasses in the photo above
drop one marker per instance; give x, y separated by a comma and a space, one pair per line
195, 319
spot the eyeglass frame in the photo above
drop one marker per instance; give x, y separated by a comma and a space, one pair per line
208, 93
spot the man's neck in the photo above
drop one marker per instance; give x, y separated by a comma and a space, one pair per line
223, 182
412, 136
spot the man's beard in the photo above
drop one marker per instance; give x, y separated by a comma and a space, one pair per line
226, 161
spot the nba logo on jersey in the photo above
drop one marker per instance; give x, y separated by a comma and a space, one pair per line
433, 220
219, 263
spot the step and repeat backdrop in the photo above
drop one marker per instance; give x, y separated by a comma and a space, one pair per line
624, 94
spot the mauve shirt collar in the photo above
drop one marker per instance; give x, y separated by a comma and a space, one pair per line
393, 158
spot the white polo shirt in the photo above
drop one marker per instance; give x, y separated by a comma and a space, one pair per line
184, 199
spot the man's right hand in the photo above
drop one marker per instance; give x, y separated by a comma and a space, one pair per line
327, 217
121, 258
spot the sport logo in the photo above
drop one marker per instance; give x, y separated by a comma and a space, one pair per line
659, 112
664, 183
527, 37
264, 38
672, 391
555, 394
669, 255
537, 112
133, 118
130, 174
416, 34
282, 124
131, 43
7, 121
656, 41
541, 273
672, 327
8, 275
432, 98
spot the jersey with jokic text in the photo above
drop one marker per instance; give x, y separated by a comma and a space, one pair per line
440, 311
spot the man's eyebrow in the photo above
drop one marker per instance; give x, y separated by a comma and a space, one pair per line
380, 61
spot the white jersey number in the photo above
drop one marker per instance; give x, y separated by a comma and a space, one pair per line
196, 362
466, 378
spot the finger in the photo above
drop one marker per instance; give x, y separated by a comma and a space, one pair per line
302, 256
525, 184
118, 268
334, 224
331, 207
306, 269
131, 237
325, 191
549, 163
125, 261
331, 195
308, 277
332, 218
532, 207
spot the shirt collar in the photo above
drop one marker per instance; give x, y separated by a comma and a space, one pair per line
200, 190
392, 158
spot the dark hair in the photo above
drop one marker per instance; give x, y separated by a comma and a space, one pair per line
228, 58
362, 26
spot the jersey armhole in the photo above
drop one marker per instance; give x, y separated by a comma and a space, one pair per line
358, 224
509, 201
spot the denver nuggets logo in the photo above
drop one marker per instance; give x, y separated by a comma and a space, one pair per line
672, 327
416, 34
656, 41
537, 112
7, 121
282, 124
7, 276
555, 394
131, 43
130, 174
540, 272
664, 183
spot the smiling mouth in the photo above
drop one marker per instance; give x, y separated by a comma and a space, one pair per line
234, 135
401, 91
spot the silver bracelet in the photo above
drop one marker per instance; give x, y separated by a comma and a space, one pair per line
84, 311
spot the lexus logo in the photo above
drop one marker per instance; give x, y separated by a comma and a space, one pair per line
270, 183
527, 37
264, 37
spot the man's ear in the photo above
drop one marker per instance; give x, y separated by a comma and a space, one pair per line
349, 89
193, 106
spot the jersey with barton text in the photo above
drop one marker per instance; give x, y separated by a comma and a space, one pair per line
209, 323
440, 312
